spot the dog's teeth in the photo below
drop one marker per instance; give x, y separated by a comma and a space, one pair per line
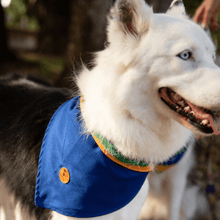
208, 125
187, 108
181, 103
192, 112
205, 122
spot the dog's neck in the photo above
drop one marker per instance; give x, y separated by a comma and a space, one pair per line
148, 140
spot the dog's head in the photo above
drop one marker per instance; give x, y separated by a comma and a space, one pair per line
162, 63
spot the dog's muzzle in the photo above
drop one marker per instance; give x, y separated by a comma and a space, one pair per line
201, 118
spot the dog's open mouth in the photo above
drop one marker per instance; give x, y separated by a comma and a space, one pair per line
201, 118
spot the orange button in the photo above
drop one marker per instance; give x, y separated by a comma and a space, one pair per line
64, 175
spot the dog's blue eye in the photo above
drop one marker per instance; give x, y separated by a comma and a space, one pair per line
185, 55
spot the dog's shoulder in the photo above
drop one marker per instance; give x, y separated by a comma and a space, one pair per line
28, 99
27, 104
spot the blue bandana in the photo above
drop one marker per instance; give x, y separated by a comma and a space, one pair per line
75, 178
97, 186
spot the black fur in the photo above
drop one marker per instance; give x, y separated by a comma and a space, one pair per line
25, 111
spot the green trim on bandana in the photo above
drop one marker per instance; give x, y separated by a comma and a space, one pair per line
112, 149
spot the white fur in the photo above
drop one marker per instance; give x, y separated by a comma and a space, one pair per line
121, 93
108, 94
177, 11
9, 208
167, 191
26, 83
121, 100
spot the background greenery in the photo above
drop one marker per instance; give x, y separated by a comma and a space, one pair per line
17, 13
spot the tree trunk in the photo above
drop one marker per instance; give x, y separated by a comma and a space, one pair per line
86, 35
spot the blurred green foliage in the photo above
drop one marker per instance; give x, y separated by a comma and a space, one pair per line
48, 67
17, 16
51, 68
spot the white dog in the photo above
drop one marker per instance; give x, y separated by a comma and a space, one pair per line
152, 89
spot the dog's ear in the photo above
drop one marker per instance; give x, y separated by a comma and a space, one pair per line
177, 9
130, 18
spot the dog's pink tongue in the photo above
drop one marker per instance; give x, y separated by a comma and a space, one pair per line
200, 114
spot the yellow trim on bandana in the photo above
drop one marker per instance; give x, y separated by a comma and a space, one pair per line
111, 157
